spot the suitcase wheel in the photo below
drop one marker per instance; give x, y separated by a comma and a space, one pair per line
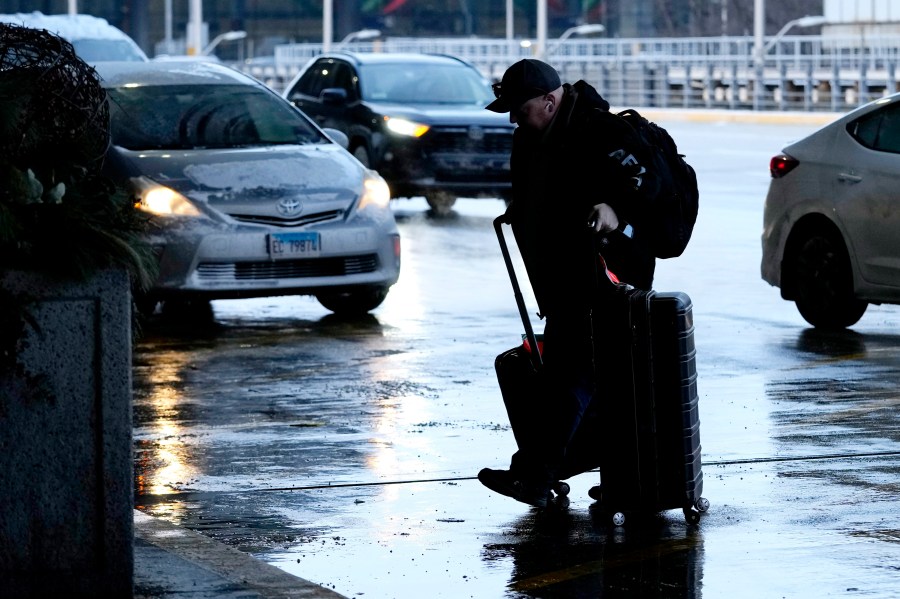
702, 505
561, 502
561, 488
691, 516
618, 519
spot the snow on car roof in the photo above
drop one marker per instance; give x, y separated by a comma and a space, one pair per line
94, 39
70, 27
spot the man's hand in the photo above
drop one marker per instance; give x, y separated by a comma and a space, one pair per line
603, 219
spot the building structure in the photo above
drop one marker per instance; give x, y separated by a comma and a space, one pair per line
272, 22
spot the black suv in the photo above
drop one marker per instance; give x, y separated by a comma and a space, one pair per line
418, 119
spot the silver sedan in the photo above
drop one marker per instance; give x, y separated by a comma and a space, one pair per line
248, 196
832, 216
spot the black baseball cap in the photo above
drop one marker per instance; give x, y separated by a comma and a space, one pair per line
527, 79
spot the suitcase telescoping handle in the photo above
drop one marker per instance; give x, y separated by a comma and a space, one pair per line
517, 291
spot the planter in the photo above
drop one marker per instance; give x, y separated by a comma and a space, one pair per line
66, 521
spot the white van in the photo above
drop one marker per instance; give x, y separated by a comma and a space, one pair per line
94, 39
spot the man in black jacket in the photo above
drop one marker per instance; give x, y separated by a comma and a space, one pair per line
578, 187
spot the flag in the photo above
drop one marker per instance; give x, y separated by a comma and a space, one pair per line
392, 6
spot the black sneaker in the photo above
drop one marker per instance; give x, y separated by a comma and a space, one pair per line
506, 483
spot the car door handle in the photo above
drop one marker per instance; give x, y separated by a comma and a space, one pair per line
849, 178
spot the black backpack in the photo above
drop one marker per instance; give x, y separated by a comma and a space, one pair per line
676, 204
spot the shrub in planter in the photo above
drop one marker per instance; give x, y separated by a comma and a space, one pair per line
58, 215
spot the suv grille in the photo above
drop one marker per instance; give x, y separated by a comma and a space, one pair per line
456, 156
287, 269
457, 139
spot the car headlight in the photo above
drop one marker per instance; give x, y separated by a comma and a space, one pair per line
375, 192
161, 200
406, 127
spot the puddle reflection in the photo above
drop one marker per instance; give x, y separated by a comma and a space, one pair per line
833, 344
558, 553
162, 461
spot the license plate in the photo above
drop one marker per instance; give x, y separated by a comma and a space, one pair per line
294, 245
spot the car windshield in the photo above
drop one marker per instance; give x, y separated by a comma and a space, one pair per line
100, 50
416, 83
204, 116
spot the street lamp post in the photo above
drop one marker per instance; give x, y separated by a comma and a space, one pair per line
362, 35
195, 22
761, 48
541, 28
228, 36
327, 24
167, 25
759, 32
807, 21
585, 29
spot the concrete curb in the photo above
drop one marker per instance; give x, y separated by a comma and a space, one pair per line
737, 116
193, 565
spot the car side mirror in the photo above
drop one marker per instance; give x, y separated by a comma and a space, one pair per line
338, 137
334, 95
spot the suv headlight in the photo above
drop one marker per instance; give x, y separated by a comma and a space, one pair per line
161, 200
375, 192
406, 127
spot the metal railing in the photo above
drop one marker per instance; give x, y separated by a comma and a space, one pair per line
827, 73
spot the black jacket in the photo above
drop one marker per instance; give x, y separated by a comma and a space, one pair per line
558, 175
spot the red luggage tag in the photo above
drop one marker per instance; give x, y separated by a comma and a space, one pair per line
527, 345
609, 274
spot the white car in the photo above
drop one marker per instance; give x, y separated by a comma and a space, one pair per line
248, 196
93, 38
831, 234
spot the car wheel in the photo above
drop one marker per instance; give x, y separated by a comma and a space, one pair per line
144, 304
198, 309
824, 283
440, 202
352, 303
362, 154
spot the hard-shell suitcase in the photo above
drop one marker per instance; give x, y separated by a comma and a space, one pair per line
645, 356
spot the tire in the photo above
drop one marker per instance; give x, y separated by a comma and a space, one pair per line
823, 283
440, 202
187, 308
353, 303
144, 304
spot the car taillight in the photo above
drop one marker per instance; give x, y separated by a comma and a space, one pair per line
781, 165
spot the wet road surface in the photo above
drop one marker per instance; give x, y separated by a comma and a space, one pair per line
345, 451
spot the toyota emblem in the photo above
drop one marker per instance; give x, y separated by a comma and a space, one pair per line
476, 133
289, 207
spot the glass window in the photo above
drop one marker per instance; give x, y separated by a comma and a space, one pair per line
344, 78
99, 50
434, 84
318, 77
204, 116
879, 130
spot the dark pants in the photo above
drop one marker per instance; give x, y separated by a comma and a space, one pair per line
552, 416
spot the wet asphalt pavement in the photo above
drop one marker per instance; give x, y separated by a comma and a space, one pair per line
345, 452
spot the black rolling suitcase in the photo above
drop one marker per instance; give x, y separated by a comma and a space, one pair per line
650, 439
